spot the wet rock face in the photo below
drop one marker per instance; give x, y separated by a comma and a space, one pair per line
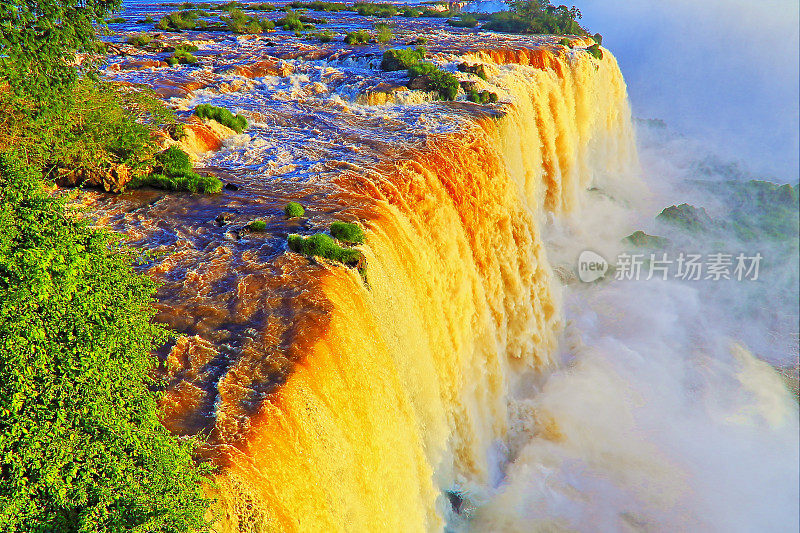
112, 180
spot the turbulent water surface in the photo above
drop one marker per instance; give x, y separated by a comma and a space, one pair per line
469, 381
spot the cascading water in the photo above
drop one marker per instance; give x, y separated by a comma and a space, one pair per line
404, 395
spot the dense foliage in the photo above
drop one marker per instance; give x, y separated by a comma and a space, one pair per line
38, 41
81, 445
94, 125
537, 16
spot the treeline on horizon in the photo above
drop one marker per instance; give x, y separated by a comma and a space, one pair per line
524, 16
82, 446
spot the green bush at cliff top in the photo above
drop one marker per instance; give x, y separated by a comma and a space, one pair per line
595, 51
348, 233
81, 442
322, 245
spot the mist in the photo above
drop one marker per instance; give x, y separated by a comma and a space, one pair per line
722, 71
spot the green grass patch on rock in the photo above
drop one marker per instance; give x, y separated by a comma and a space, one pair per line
481, 97
256, 225
401, 58
357, 37
235, 122
430, 77
322, 245
182, 57
347, 232
139, 39
478, 70
595, 51
173, 172
293, 210
464, 21
368, 9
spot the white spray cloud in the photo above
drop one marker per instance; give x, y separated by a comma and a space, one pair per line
723, 70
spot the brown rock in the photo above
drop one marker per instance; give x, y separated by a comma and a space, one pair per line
112, 180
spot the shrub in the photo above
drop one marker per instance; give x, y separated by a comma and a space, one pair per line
464, 21
82, 445
235, 122
324, 36
95, 126
478, 70
348, 233
257, 225
147, 20
598, 38
435, 79
116, 20
180, 20
401, 58
139, 39
191, 182
294, 210
261, 7
322, 245
173, 172
368, 9
595, 51
239, 22
185, 47
292, 22
182, 57
320, 6
481, 97
174, 161
410, 12
357, 37
565, 42
177, 131
507, 22
384, 33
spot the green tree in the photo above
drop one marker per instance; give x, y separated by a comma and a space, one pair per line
39, 39
82, 448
